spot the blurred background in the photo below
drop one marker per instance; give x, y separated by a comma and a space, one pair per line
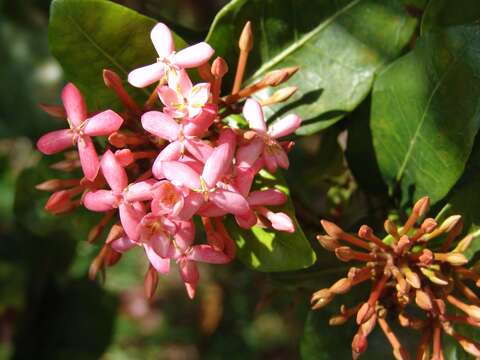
48, 307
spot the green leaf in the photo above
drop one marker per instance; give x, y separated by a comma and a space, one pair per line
444, 13
425, 113
337, 45
87, 36
465, 197
268, 250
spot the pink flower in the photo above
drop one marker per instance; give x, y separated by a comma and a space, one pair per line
181, 98
204, 187
80, 132
265, 142
127, 198
186, 255
167, 199
168, 60
181, 137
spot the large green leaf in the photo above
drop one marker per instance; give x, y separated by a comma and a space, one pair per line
443, 13
337, 44
269, 250
425, 113
465, 197
87, 36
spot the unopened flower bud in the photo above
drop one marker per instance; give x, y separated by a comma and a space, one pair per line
332, 229
219, 67
57, 184
470, 347
245, 43
421, 206
321, 298
277, 77
391, 228
342, 286
280, 95
412, 277
344, 253
456, 259
151, 282
449, 223
337, 320
427, 257
359, 345
434, 276
428, 225
58, 202
422, 299
328, 242
365, 312
53, 110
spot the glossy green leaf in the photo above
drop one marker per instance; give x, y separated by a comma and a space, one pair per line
87, 36
268, 250
337, 45
425, 113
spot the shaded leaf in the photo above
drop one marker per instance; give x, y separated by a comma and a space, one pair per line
444, 13
337, 45
360, 153
269, 250
422, 133
87, 36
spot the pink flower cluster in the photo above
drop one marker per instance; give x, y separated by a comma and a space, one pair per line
196, 165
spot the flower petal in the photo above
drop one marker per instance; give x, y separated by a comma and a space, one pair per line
169, 97
253, 112
55, 141
146, 75
113, 172
130, 218
199, 149
248, 154
199, 95
88, 157
181, 174
191, 204
268, 197
193, 56
160, 264
247, 220
230, 201
74, 104
161, 125
162, 40
185, 234
171, 152
103, 124
122, 244
180, 82
284, 126
217, 164
140, 191
99, 200
207, 254
188, 271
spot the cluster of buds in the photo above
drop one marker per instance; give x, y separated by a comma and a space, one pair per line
172, 159
415, 269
